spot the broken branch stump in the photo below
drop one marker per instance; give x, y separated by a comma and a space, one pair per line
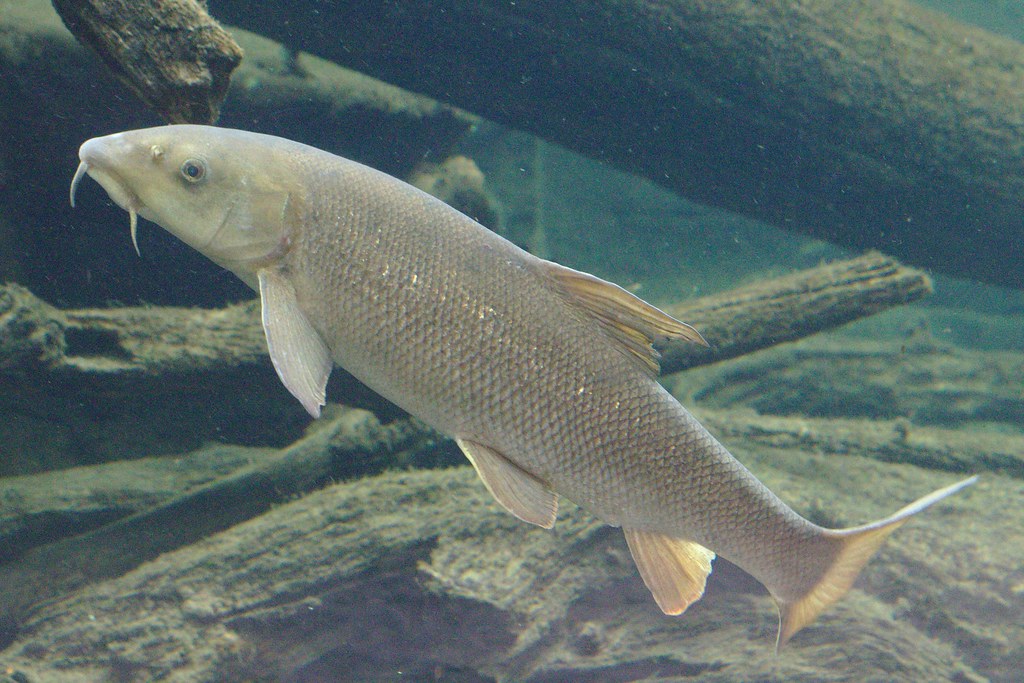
171, 53
787, 308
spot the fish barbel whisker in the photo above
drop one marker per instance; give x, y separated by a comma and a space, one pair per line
133, 219
83, 168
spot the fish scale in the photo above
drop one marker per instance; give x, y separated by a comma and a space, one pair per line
545, 376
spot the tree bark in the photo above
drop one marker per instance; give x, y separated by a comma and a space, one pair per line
61, 371
171, 53
787, 308
873, 124
151, 342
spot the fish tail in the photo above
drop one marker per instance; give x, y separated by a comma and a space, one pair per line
856, 546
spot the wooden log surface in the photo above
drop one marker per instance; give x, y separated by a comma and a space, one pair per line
873, 124
171, 53
152, 341
789, 307
421, 572
61, 371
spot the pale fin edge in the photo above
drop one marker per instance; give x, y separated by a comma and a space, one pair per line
627, 318
515, 489
859, 544
300, 357
673, 569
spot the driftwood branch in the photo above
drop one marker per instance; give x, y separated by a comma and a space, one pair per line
171, 53
875, 124
61, 371
787, 308
148, 341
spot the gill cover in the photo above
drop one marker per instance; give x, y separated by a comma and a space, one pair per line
225, 203
256, 228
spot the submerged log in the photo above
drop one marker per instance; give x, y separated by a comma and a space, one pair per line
61, 371
790, 307
873, 124
153, 341
421, 572
171, 53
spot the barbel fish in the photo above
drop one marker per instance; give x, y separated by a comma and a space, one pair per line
545, 376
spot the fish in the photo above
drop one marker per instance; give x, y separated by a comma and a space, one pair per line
546, 377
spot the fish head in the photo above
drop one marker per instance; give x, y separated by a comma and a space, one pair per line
225, 193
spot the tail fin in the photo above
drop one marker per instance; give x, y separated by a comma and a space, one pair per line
858, 544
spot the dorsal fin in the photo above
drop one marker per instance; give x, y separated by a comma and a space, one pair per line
627, 318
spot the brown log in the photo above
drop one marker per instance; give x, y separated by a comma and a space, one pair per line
870, 123
151, 342
787, 308
171, 53
61, 371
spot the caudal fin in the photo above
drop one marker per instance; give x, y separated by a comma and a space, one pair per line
857, 545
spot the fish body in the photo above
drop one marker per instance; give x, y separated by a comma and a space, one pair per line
545, 376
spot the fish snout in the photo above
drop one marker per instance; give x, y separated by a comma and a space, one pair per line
104, 151
86, 153
101, 158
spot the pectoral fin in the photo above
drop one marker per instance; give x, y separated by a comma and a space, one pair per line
674, 570
300, 357
519, 492
630, 320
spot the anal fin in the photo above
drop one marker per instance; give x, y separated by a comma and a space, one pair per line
516, 490
299, 355
674, 570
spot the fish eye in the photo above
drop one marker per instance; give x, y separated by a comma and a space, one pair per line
193, 170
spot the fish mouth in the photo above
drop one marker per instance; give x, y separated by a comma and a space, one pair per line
92, 165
